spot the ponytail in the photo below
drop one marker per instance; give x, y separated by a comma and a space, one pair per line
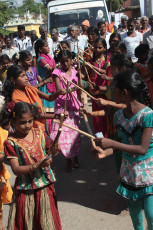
145, 94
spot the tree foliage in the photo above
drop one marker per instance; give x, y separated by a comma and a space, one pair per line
32, 6
114, 5
5, 13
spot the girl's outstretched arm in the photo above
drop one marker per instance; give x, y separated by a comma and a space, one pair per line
133, 149
51, 97
94, 113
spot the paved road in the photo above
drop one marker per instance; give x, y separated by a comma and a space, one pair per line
86, 197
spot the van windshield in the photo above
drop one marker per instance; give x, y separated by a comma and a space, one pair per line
63, 19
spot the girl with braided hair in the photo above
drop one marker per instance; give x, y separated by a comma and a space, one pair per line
134, 126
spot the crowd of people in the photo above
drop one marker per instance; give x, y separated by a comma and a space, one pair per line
44, 83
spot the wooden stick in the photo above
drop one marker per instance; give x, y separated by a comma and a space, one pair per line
80, 88
78, 130
89, 129
79, 48
87, 74
67, 92
78, 102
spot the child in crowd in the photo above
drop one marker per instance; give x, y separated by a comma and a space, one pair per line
4, 63
17, 88
24, 58
134, 126
69, 139
45, 66
141, 52
5, 188
98, 87
93, 34
34, 205
118, 47
115, 37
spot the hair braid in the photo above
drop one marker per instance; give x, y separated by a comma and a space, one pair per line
145, 94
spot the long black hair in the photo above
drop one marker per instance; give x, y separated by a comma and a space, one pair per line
39, 44
134, 83
13, 72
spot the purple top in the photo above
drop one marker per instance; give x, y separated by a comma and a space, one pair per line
32, 76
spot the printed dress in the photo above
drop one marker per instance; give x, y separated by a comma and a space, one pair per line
69, 139
34, 205
32, 76
136, 174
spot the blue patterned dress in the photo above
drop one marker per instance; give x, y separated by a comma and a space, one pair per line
136, 174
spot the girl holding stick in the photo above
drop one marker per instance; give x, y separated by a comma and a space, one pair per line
17, 88
134, 126
98, 87
34, 204
69, 139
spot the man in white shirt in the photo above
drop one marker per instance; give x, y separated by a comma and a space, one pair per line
103, 33
44, 37
124, 28
10, 50
132, 39
22, 42
76, 40
148, 36
56, 38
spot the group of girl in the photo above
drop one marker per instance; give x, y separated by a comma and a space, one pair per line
34, 202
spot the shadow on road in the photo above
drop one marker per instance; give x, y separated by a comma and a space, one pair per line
93, 185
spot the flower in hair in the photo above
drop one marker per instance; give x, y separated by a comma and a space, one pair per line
17, 56
10, 107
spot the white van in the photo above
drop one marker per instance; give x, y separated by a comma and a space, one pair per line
62, 13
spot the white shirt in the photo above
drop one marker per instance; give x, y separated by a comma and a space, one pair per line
131, 43
82, 44
10, 51
24, 44
56, 44
50, 44
107, 39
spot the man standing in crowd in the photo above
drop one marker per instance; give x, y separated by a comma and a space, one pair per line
137, 25
10, 50
56, 38
144, 25
22, 42
76, 40
103, 33
44, 37
148, 36
85, 26
124, 28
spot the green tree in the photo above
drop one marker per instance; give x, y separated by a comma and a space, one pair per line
5, 13
32, 6
114, 5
